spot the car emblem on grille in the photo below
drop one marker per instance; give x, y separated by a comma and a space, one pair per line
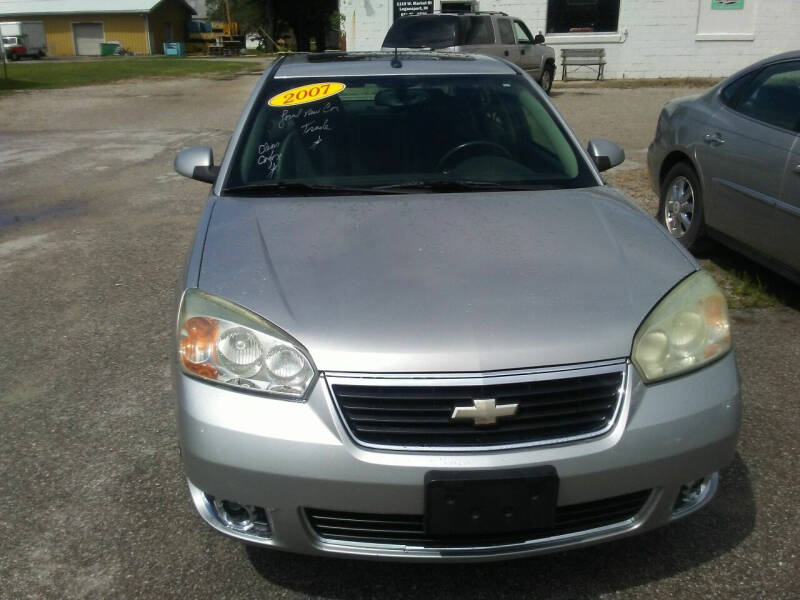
484, 411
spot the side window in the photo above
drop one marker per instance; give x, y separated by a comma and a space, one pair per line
477, 31
733, 90
773, 97
506, 32
522, 33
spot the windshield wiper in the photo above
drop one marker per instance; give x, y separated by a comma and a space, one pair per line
291, 187
448, 185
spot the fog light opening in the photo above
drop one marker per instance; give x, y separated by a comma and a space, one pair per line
241, 518
693, 494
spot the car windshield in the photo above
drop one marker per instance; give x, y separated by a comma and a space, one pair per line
373, 132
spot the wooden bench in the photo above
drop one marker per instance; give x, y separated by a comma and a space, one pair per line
593, 58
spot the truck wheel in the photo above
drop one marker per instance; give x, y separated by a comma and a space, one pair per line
547, 80
680, 209
14, 56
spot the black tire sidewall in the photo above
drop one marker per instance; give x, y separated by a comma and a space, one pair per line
695, 233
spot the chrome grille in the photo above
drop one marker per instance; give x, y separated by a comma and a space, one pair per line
417, 413
410, 530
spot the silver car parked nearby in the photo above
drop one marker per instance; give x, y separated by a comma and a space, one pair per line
494, 34
416, 324
727, 164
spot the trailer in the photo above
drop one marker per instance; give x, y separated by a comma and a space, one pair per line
23, 39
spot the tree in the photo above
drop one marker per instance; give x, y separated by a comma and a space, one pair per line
306, 18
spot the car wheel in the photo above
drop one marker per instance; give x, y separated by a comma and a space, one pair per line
681, 207
547, 80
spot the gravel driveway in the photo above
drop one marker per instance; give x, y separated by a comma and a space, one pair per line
93, 230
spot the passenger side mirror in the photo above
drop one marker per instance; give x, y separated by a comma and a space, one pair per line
538, 39
605, 154
197, 163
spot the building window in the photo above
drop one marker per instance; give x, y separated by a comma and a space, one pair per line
582, 16
458, 7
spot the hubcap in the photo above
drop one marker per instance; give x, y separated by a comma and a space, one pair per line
679, 206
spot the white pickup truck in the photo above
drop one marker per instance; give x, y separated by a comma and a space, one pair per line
23, 39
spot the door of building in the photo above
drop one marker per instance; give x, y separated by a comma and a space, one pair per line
88, 37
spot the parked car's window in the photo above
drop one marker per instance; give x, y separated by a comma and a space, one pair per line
439, 31
733, 90
402, 129
523, 33
773, 96
477, 30
506, 31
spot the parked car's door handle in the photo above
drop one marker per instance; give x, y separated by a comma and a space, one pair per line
714, 139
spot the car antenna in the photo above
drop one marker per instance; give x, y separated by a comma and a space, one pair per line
396, 64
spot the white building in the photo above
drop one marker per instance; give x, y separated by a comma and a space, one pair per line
642, 38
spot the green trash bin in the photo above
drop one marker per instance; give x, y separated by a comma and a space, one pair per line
108, 48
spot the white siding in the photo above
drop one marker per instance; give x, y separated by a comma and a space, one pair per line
657, 38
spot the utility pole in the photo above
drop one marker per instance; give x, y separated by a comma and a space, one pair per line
3, 52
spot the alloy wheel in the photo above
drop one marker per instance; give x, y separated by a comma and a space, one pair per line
679, 206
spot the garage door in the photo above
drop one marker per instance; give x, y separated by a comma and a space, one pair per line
88, 37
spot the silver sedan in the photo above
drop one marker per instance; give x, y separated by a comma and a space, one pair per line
416, 324
726, 164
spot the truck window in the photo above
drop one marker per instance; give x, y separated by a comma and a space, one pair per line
522, 32
476, 31
422, 31
506, 32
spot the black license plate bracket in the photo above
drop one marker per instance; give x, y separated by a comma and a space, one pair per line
489, 502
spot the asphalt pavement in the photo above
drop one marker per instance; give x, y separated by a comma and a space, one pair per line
94, 227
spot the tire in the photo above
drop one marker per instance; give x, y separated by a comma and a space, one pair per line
680, 207
14, 57
546, 80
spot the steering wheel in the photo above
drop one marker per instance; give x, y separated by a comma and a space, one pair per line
496, 149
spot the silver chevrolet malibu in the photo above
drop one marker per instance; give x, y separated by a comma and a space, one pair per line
417, 324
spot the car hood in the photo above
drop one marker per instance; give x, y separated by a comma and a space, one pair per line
445, 282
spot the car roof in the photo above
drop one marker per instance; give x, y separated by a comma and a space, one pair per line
791, 55
354, 64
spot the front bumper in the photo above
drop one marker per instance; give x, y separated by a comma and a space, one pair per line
287, 456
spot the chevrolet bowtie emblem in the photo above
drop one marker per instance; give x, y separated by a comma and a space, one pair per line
484, 412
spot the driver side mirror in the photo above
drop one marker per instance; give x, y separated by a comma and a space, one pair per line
538, 39
197, 163
605, 154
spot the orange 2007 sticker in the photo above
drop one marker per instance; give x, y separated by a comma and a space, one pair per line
307, 93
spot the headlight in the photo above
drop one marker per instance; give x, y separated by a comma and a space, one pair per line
686, 330
221, 341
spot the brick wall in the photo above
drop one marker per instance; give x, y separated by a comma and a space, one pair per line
657, 38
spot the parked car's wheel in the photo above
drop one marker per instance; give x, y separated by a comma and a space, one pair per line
681, 207
547, 80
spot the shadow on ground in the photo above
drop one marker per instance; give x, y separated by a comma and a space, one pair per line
627, 563
762, 286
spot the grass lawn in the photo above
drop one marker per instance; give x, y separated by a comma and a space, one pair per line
26, 75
